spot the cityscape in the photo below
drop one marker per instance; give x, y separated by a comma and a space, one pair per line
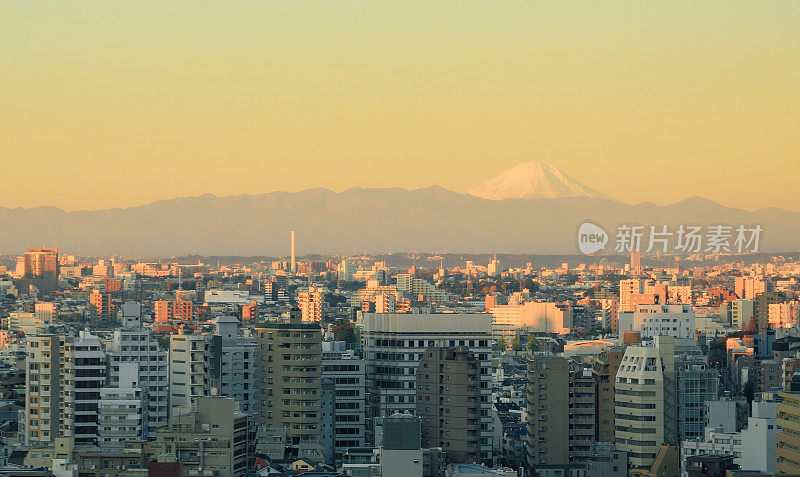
400, 239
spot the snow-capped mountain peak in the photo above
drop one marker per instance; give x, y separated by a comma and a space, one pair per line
533, 180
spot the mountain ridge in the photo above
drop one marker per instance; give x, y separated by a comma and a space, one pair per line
360, 219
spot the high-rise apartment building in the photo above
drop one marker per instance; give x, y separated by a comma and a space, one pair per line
312, 304
288, 380
64, 376
449, 402
741, 313
122, 409
560, 401
349, 375
102, 306
697, 383
393, 345
218, 364
646, 401
138, 346
604, 370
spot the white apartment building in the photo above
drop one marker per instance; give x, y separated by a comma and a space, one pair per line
123, 409
673, 320
393, 345
221, 364
646, 401
416, 288
349, 374
139, 346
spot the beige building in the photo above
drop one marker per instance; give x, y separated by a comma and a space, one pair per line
448, 402
788, 420
560, 401
211, 438
288, 380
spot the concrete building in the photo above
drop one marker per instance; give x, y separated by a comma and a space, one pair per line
604, 370
393, 345
123, 409
349, 374
741, 313
220, 364
788, 439
697, 383
63, 378
533, 315
448, 402
288, 380
560, 403
653, 320
312, 304
138, 345
646, 401
418, 289
211, 437
753, 448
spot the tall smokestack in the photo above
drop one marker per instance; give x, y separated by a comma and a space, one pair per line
294, 264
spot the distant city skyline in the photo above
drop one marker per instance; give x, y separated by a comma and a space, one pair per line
124, 104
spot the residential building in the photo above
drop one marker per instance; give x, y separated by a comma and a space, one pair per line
312, 304
604, 370
288, 380
448, 402
348, 372
560, 403
393, 345
210, 437
646, 401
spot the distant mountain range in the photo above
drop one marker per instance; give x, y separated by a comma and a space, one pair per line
368, 220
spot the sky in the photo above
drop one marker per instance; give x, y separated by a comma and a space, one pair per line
114, 104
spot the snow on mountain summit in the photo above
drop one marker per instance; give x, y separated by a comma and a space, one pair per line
533, 180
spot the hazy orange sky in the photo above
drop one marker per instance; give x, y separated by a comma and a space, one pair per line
106, 104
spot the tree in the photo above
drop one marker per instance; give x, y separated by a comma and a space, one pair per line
501, 344
533, 345
516, 345
345, 331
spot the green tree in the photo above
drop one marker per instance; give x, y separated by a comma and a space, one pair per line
533, 345
516, 345
501, 344
346, 331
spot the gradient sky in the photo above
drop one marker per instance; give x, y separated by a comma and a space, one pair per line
106, 104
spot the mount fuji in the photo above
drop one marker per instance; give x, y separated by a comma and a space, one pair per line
533, 180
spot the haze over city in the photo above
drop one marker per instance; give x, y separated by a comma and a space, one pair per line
400, 239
